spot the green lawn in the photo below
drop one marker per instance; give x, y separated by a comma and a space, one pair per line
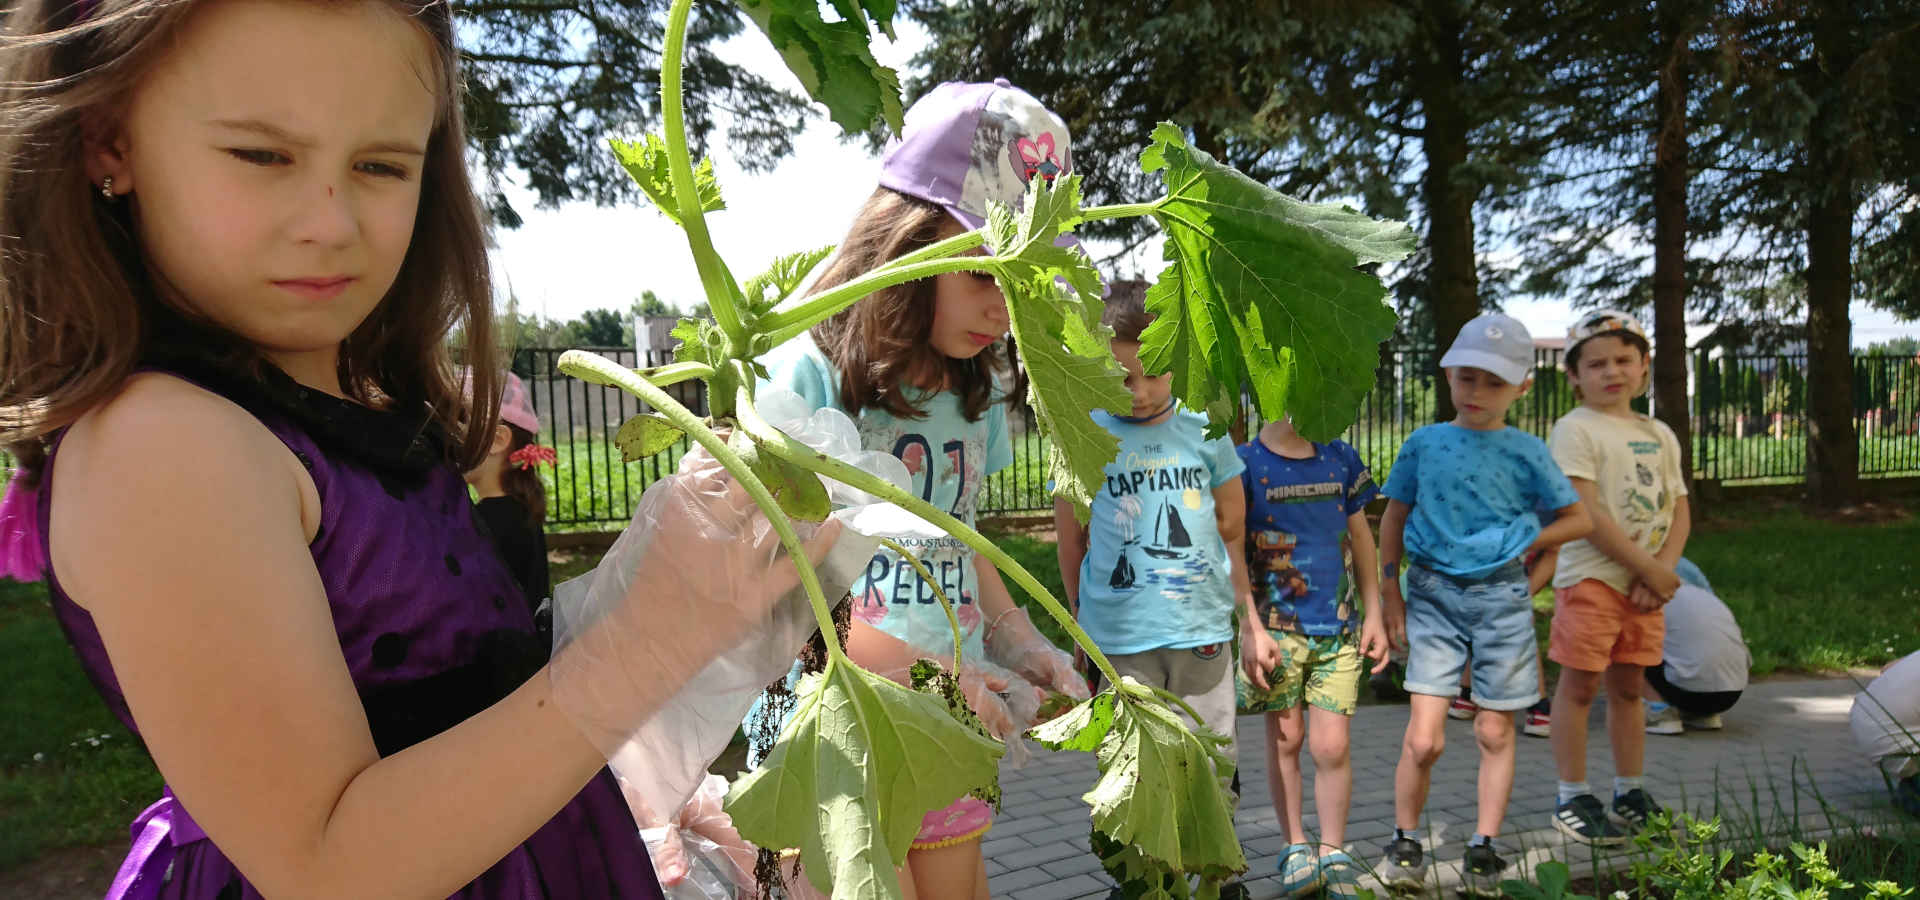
1812, 594
69, 774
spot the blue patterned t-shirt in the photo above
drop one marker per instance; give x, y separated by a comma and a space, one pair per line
1474, 495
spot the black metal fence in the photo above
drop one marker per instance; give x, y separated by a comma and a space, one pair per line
1749, 425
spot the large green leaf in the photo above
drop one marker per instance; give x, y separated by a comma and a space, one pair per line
646, 161
858, 765
1162, 792
832, 59
1053, 299
645, 435
1265, 289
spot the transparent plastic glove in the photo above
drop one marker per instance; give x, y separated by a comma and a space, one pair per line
699, 843
982, 685
1023, 699
696, 591
1012, 641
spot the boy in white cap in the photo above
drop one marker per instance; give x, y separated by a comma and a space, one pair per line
1462, 497
1609, 589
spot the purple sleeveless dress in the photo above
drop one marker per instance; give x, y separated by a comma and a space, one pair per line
432, 625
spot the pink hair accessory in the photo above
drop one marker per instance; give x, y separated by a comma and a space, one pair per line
533, 455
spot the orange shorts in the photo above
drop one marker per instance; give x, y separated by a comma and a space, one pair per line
1594, 625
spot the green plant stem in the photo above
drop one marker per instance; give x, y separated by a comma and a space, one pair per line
773, 441
714, 278
1171, 699
1119, 210
594, 367
946, 605
674, 373
784, 326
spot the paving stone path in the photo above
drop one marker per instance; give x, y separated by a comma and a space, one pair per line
1785, 751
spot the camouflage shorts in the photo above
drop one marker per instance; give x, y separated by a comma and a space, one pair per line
1321, 671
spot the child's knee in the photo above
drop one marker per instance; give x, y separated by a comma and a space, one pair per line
1493, 731
1577, 687
1424, 750
1329, 748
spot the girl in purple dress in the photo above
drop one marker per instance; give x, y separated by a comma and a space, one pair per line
233, 239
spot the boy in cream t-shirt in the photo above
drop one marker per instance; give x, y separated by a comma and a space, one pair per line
1611, 586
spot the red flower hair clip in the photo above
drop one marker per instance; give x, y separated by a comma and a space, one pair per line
532, 455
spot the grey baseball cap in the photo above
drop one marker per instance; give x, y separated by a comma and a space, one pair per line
967, 143
1495, 342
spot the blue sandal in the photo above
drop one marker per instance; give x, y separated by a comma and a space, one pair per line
1341, 874
1299, 871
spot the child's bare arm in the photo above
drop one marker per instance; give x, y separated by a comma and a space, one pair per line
1612, 541
1545, 563
1677, 534
1366, 563
1393, 525
1230, 516
1071, 546
1570, 523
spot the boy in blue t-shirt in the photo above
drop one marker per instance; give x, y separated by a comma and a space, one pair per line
1150, 577
1461, 511
1300, 654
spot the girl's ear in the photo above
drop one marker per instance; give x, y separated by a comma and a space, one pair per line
105, 152
502, 438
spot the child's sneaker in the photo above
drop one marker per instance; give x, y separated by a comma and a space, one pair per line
1405, 866
1708, 722
1340, 874
1539, 720
1299, 871
1635, 808
1663, 719
1480, 872
1461, 708
1585, 820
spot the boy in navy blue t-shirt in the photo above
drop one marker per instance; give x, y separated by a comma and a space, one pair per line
1301, 643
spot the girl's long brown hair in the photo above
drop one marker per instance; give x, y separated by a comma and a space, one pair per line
76, 310
880, 343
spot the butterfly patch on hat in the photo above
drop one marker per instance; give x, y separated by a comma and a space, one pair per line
1017, 140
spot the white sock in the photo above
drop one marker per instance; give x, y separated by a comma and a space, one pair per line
1625, 784
1572, 789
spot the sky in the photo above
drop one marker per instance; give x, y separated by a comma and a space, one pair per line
563, 262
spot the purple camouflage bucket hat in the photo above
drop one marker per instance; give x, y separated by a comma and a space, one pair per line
965, 144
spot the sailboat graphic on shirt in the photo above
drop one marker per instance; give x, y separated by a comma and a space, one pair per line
1122, 578
1170, 538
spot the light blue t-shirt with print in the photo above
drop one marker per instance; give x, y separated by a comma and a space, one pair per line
948, 458
1156, 573
1474, 495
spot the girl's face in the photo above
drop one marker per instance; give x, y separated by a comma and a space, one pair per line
273, 160
969, 314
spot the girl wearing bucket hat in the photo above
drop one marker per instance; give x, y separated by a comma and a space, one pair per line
926, 371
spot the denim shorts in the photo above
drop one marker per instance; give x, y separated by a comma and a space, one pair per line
1490, 618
